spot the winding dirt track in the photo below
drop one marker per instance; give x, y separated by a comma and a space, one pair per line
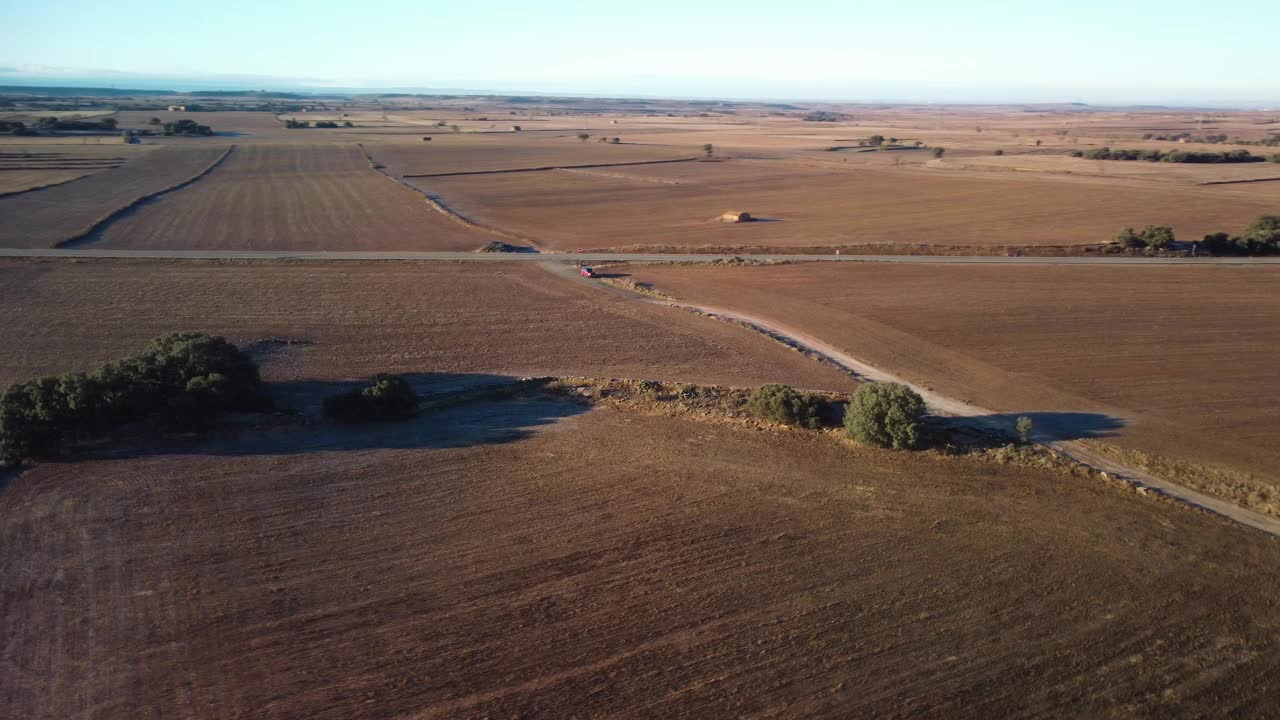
1055, 437
974, 415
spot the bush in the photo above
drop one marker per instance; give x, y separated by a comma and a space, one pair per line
886, 415
387, 398
939, 152
1023, 427
183, 380
326, 124
999, 151
187, 128
782, 404
1158, 237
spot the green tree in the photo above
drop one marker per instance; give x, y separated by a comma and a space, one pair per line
875, 140
1023, 426
708, 149
1129, 238
782, 404
886, 415
939, 152
1158, 237
1264, 233
999, 151
583, 136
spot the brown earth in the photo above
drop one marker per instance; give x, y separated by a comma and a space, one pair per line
478, 565
292, 197
505, 151
1182, 356
26, 168
365, 318
47, 217
673, 205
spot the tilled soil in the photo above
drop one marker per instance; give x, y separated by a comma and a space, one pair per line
1174, 361
484, 563
44, 218
292, 197
357, 319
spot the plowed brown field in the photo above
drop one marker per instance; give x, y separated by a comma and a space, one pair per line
1184, 356
365, 318
675, 205
292, 197
506, 151
616, 566
47, 217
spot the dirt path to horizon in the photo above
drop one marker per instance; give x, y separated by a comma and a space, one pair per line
1060, 434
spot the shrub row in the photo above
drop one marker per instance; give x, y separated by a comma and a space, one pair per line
187, 128
882, 414
183, 380
1174, 156
1262, 237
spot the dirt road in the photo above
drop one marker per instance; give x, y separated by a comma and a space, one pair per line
1054, 436
611, 257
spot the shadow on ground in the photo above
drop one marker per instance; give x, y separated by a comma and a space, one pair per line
482, 415
1045, 426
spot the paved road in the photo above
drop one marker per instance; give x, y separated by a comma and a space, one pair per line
608, 257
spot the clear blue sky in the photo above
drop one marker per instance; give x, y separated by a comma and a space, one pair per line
1101, 51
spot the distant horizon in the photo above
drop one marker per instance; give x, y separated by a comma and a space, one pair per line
124, 81
1173, 53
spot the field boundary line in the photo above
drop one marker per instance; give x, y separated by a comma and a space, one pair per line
38, 188
980, 417
95, 230
1240, 182
437, 203
552, 167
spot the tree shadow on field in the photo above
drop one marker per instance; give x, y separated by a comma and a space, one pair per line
460, 410
999, 428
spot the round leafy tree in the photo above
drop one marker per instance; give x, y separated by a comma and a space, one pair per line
886, 415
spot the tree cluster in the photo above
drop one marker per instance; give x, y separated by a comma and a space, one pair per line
76, 123
386, 398
187, 128
824, 116
1157, 237
1262, 237
182, 381
16, 127
1174, 156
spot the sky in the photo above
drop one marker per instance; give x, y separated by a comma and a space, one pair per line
1094, 51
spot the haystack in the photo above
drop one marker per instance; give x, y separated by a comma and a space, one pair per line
736, 216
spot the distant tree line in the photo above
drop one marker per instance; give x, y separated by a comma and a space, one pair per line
182, 381
1273, 141
76, 123
16, 127
187, 128
1262, 237
1173, 156
293, 124
824, 116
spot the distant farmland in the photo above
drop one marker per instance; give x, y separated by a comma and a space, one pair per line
671, 205
292, 197
44, 218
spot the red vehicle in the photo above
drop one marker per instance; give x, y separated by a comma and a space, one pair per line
588, 272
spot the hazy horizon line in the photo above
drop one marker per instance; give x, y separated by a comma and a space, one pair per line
119, 80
